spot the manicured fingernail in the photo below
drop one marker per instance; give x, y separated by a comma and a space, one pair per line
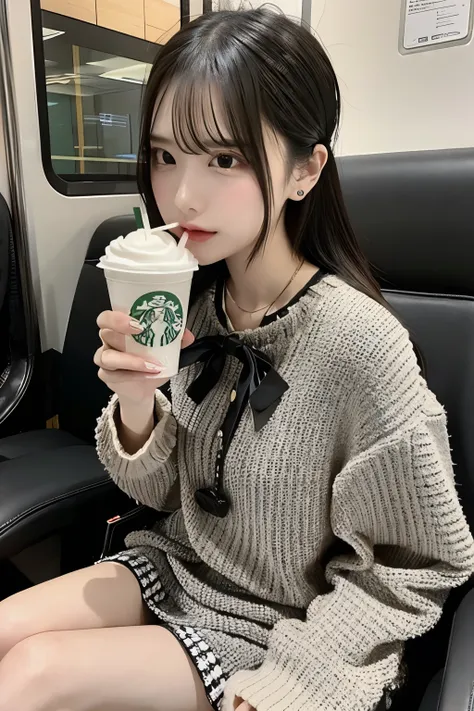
136, 326
153, 366
153, 377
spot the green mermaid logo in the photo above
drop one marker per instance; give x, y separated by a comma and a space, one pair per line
161, 315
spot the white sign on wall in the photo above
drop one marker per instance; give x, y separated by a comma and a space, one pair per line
434, 22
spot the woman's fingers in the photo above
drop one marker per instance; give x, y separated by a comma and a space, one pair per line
116, 377
115, 338
110, 359
112, 339
188, 339
116, 366
118, 321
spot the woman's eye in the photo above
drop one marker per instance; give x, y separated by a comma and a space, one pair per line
162, 157
167, 158
225, 161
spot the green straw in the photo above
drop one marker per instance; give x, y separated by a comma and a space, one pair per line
138, 218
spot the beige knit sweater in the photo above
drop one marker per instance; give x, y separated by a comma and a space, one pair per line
345, 532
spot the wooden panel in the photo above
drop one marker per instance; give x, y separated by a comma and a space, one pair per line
79, 9
126, 16
154, 34
162, 14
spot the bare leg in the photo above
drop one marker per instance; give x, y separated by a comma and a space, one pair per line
118, 669
105, 595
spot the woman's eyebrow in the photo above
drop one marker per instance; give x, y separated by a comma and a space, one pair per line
224, 143
156, 138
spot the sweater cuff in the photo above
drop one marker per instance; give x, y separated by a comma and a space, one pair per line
156, 450
268, 688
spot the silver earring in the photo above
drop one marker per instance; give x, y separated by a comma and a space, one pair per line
300, 193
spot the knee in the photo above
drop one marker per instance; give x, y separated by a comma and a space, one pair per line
30, 674
13, 624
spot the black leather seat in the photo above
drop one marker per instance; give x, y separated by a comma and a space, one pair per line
414, 214
52, 478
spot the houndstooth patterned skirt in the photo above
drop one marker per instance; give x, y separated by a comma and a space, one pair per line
198, 650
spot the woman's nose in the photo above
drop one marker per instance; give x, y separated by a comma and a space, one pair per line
189, 198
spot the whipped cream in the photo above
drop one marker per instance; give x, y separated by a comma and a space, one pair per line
138, 252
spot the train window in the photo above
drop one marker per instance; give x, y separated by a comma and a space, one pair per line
90, 83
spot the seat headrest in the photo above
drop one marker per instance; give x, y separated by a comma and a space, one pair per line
107, 231
413, 214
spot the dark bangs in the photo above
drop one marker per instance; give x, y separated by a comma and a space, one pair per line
216, 103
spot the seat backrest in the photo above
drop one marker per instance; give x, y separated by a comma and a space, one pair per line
414, 215
82, 395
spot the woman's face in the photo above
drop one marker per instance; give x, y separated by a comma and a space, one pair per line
216, 192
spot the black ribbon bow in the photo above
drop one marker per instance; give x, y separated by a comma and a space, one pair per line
258, 383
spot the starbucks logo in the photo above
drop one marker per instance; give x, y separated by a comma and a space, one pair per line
161, 315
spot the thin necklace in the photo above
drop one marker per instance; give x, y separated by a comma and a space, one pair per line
262, 308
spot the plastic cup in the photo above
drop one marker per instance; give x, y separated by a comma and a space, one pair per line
159, 302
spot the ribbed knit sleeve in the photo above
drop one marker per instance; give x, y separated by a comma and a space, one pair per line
395, 509
149, 475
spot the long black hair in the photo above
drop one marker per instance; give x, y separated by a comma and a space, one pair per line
269, 71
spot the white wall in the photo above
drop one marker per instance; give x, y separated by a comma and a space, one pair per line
4, 189
293, 8
394, 102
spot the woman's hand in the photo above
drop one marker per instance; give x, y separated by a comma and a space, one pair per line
240, 705
130, 376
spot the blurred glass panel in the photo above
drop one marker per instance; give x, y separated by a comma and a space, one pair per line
93, 101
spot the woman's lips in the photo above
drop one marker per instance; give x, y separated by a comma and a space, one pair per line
199, 235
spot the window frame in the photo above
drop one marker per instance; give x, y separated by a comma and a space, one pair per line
100, 38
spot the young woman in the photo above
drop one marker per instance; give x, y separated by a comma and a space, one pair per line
313, 524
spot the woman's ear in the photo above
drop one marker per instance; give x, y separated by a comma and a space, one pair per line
305, 177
